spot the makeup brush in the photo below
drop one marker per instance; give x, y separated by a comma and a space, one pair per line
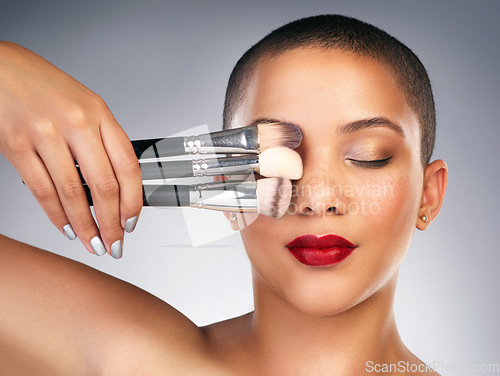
252, 139
269, 196
277, 161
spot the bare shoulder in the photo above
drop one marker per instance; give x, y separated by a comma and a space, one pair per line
81, 321
163, 343
145, 335
183, 349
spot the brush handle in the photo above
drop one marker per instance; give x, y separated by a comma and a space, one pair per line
232, 196
231, 141
166, 170
161, 195
242, 165
159, 147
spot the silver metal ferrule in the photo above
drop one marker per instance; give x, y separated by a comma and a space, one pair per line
230, 196
232, 141
226, 166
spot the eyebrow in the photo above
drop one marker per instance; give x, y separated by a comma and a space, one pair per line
353, 126
268, 120
375, 122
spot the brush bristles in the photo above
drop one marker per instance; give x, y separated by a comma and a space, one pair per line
273, 134
280, 162
273, 196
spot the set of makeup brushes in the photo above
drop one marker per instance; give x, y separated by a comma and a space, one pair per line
265, 148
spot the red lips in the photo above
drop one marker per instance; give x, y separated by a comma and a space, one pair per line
320, 251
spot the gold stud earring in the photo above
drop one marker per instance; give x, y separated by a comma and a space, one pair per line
424, 218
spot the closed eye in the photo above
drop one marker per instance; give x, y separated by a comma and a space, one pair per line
377, 163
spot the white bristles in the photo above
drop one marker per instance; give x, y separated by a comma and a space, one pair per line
273, 134
280, 162
273, 196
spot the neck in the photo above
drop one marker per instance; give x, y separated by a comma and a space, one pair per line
344, 342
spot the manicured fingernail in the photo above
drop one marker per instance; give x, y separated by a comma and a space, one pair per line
130, 224
117, 249
98, 246
70, 233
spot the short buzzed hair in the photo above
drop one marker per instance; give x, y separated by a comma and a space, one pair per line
350, 35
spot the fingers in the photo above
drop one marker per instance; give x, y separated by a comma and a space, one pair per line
127, 171
109, 168
36, 177
55, 120
60, 169
104, 187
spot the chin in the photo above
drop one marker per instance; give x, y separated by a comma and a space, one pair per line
328, 297
325, 309
323, 301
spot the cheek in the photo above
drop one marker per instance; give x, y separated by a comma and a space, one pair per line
256, 237
391, 200
390, 210
264, 244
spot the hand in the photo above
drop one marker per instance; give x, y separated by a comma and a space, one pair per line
47, 121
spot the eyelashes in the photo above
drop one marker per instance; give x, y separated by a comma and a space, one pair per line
377, 163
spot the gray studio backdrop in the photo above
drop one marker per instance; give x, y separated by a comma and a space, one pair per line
162, 67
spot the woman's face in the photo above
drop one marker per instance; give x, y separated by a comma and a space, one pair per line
350, 111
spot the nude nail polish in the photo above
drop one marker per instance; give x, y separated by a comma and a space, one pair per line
69, 232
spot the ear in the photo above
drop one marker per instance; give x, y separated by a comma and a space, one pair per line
434, 189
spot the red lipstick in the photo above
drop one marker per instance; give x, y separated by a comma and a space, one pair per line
320, 251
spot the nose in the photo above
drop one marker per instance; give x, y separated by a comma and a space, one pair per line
319, 192
316, 197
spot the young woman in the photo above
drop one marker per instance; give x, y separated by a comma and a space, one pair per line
364, 104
